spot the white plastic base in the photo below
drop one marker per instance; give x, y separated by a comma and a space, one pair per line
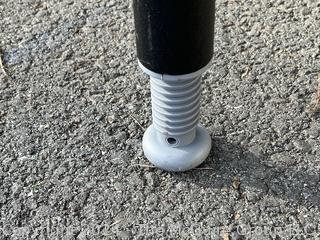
176, 159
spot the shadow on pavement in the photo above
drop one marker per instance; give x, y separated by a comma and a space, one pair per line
256, 175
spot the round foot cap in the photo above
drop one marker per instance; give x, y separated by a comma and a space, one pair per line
176, 159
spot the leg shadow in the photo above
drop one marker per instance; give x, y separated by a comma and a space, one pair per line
255, 174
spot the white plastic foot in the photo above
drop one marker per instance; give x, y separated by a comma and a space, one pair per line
175, 141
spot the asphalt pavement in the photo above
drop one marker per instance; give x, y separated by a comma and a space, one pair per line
74, 106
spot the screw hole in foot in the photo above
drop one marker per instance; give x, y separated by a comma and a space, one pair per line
171, 141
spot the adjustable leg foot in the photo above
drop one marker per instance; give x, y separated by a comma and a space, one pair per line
175, 141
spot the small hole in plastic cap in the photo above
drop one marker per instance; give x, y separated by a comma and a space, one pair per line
171, 141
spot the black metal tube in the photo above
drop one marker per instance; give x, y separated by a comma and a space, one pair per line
174, 37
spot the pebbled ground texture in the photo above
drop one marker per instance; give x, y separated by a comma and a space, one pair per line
74, 105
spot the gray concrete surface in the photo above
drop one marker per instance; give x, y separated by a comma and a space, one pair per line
74, 99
